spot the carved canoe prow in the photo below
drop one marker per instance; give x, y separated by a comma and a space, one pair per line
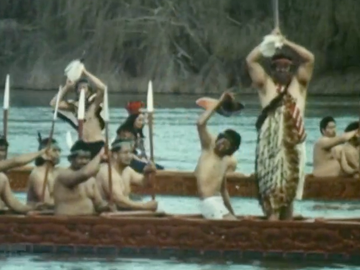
181, 183
179, 233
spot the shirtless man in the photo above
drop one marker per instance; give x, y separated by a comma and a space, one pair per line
93, 122
6, 195
75, 191
326, 163
282, 93
348, 153
37, 175
122, 178
215, 161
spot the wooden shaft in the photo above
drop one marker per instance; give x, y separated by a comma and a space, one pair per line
276, 13
47, 163
107, 152
151, 138
80, 128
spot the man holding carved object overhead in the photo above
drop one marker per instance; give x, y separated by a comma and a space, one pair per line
78, 79
279, 164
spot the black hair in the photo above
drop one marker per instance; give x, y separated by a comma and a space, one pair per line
116, 145
324, 122
128, 125
352, 126
39, 161
233, 137
3, 142
83, 80
79, 145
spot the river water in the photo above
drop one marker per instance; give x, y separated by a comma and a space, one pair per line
177, 147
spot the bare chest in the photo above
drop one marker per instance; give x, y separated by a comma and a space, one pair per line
271, 91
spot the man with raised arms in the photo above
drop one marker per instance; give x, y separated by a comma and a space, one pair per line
327, 161
93, 122
6, 195
122, 178
279, 169
37, 175
215, 161
75, 190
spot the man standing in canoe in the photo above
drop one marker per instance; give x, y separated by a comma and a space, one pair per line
75, 190
122, 178
93, 122
6, 195
214, 162
37, 175
326, 157
279, 171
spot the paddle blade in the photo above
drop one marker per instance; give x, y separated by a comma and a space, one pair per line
81, 108
150, 98
74, 70
57, 103
69, 140
7, 93
227, 109
106, 105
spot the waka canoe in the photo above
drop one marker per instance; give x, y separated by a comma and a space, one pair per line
171, 235
181, 183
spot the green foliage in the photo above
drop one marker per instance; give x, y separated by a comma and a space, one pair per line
184, 46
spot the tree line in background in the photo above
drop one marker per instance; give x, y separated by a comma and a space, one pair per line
184, 46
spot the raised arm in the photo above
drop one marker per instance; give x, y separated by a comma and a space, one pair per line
72, 178
328, 143
306, 67
9, 199
100, 87
256, 71
63, 105
19, 160
204, 135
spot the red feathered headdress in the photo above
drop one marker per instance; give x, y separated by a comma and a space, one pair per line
134, 107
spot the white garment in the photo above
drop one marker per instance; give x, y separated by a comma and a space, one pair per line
213, 208
300, 188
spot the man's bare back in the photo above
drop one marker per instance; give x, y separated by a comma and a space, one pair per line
214, 162
46, 163
35, 186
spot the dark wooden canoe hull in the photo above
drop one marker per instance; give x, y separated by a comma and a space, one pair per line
184, 184
183, 234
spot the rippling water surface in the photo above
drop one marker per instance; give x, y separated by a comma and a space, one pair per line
177, 147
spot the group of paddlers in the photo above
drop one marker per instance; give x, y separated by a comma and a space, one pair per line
84, 187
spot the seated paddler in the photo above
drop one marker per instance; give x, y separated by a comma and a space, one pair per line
93, 122
347, 154
75, 189
45, 167
281, 80
7, 199
132, 128
328, 149
215, 162
123, 176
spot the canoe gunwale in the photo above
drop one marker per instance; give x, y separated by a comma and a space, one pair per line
181, 183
